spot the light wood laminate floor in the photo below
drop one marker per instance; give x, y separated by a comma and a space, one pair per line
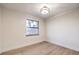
43, 48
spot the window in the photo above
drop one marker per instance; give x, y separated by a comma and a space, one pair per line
32, 27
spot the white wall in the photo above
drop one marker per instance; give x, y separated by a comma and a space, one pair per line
0, 31
14, 30
63, 29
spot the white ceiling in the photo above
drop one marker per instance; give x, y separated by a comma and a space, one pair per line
34, 8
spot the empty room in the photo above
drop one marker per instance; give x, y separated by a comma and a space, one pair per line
39, 28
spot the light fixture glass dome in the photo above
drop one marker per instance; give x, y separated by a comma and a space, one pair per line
44, 10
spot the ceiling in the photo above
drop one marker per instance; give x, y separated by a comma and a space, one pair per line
34, 8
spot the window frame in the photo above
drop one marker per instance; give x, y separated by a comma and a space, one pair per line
33, 28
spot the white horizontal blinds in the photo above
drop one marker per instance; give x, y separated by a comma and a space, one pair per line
32, 27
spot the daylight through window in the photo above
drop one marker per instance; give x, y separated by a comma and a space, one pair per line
32, 27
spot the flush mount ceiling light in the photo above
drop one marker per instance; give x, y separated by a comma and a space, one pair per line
44, 10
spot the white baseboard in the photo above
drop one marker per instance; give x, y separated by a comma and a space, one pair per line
23, 46
63, 45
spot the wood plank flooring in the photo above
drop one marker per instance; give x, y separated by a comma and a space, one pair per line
43, 48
